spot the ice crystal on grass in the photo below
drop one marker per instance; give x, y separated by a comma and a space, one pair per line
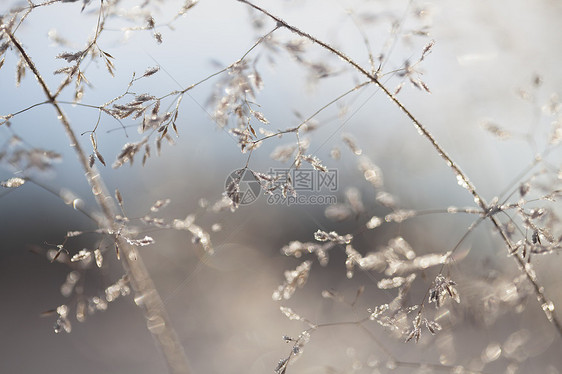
12, 182
281, 367
332, 236
158, 222
72, 234
548, 308
70, 282
287, 189
419, 263
393, 316
268, 183
335, 153
62, 323
304, 337
96, 304
352, 144
99, 258
288, 312
400, 246
388, 283
151, 71
83, 255
20, 70
296, 350
374, 222
442, 288
496, 130
117, 289
81, 310
128, 152
315, 162
200, 236
353, 258
432, 326
415, 332
260, 117
338, 212
293, 279
353, 197
399, 216
233, 189
71, 57
297, 249
378, 311
491, 353
371, 172
147, 240
159, 205
396, 259
386, 199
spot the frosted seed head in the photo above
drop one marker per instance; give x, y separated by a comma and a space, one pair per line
12, 182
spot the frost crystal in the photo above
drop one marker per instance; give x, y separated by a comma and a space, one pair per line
147, 240
282, 366
159, 205
399, 216
293, 279
288, 312
350, 142
374, 222
386, 199
119, 288
388, 283
62, 323
315, 162
371, 172
83, 255
323, 236
12, 182
99, 258
67, 287
443, 287
353, 258
338, 212
296, 249
200, 236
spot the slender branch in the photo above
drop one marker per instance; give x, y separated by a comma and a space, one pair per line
462, 178
382, 347
157, 318
190, 87
99, 26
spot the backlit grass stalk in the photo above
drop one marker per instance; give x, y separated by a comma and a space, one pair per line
546, 305
146, 295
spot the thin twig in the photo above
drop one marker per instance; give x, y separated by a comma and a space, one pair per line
151, 303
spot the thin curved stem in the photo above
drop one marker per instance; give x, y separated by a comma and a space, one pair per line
463, 180
157, 318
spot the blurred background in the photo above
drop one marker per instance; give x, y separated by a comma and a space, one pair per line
493, 74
